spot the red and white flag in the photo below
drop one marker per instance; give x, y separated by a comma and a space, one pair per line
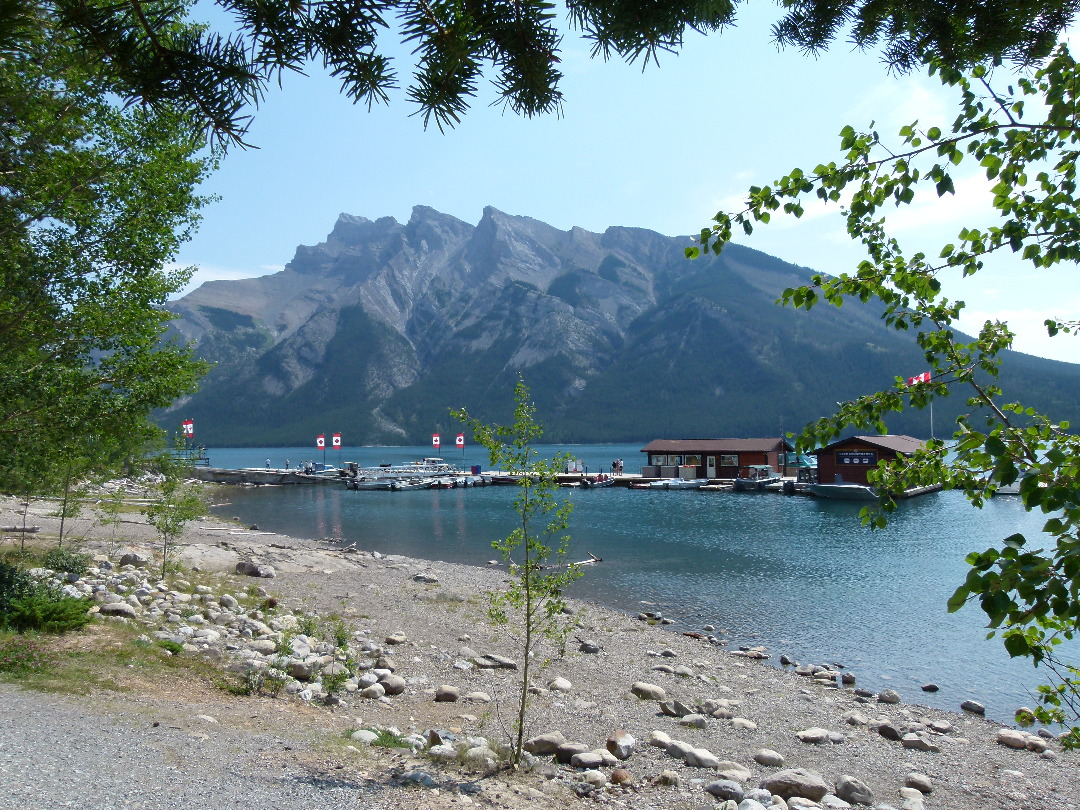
189, 428
918, 378
336, 441
320, 442
434, 439
459, 440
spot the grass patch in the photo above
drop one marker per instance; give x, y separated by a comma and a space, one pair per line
22, 655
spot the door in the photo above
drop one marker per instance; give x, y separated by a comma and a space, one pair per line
710, 466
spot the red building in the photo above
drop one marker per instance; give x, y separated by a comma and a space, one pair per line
848, 460
710, 458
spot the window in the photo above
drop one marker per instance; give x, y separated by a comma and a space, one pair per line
693, 461
729, 461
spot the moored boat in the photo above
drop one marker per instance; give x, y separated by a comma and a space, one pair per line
756, 477
597, 481
844, 491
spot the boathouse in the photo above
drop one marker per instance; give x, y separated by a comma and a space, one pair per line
710, 458
848, 460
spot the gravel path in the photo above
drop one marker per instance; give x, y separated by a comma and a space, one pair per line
57, 751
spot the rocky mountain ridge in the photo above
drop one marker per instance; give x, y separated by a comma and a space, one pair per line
383, 327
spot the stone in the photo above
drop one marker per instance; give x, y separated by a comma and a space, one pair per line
589, 647
854, 717
920, 781
365, 736
725, 789
393, 684
396, 638
559, 685
743, 723
478, 697
733, 771
587, 760
679, 749
751, 804
973, 706
446, 694
134, 558
911, 799
545, 744
930, 687
443, 753
568, 750
621, 776
768, 758
919, 742
659, 739
701, 758
374, 692
669, 779
1011, 738
889, 696
621, 744
814, 736
853, 790
675, 708
796, 782
890, 732
648, 691
693, 721
595, 778
118, 609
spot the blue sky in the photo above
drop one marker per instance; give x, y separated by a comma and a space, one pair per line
663, 149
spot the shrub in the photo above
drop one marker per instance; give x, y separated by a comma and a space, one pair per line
29, 604
47, 611
66, 560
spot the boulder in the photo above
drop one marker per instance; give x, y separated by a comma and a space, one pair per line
853, 790
725, 789
120, 609
768, 758
648, 691
794, 782
446, 694
1011, 738
545, 744
621, 744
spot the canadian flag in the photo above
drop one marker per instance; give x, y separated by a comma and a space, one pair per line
459, 440
320, 442
918, 378
336, 441
189, 428
434, 439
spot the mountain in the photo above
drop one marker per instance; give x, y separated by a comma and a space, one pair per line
379, 330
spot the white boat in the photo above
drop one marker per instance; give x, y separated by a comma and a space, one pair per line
410, 483
843, 491
756, 477
679, 483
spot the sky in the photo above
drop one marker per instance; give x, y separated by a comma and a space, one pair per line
662, 148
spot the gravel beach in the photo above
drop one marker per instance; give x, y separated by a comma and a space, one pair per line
715, 725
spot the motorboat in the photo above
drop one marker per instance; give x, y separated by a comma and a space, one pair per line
597, 481
756, 477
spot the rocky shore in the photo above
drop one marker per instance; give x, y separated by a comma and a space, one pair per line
384, 673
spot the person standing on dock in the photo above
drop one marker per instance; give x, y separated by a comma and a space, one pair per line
286, 464
268, 464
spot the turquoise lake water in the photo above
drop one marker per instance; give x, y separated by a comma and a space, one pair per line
799, 575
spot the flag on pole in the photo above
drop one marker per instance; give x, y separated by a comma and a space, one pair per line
460, 440
189, 429
336, 441
434, 439
320, 442
918, 378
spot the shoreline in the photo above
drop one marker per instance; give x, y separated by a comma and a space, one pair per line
438, 608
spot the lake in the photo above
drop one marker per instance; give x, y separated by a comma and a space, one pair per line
798, 575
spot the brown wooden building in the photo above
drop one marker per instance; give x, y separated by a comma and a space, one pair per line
848, 460
710, 458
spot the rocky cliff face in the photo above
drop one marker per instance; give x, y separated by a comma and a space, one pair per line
383, 327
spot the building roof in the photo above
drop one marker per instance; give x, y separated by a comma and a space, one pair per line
715, 446
898, 443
